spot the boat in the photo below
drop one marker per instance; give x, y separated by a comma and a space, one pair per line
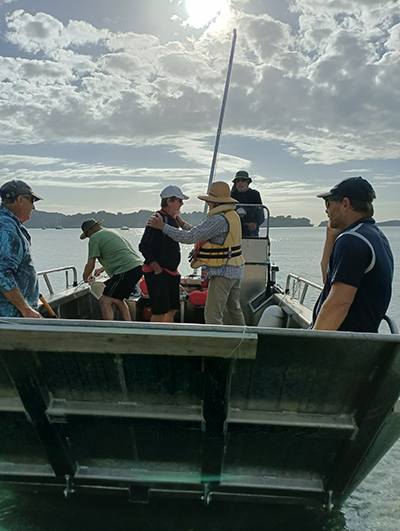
124, 227
270, 412
267, 412
58, 225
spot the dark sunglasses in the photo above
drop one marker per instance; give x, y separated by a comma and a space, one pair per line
333, 198
241, 180
29, 197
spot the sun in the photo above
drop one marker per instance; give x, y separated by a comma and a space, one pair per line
202, 12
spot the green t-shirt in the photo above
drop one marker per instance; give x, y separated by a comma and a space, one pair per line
114, 253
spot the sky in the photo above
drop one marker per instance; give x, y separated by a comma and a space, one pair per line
103, 104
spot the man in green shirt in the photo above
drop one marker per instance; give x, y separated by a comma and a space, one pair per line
118, 259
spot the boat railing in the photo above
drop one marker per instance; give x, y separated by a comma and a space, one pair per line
392, 325
67, 269
297, 287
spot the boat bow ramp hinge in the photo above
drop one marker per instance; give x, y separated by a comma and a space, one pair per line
69, 487
207, 493
329, 503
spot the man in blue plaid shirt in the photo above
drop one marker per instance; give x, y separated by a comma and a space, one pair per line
19, 287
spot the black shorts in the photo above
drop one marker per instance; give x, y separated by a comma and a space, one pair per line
163, 292
121, 286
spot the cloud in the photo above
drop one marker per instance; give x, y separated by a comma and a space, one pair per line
326, 87
28, 160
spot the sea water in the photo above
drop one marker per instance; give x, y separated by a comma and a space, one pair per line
374, 506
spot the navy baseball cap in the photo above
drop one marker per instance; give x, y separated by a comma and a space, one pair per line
353, 188
14, 188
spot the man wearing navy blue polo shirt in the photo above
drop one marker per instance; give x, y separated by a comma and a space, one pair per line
357, 262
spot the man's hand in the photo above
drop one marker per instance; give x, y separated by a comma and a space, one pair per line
156, 222
251, 226
330, 237
180, 221
17, 300
156, 267
30, 313
331, 233
98, 271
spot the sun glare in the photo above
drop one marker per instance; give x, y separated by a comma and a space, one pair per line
202, 12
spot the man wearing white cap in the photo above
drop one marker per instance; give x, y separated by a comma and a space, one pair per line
219, 238
162, 258
19, 287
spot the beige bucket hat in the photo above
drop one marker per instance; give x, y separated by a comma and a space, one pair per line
219, 192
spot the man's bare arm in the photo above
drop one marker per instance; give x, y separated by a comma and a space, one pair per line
336, 307
330, 238
88, 269
17, 300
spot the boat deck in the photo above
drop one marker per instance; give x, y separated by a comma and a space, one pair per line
146, 409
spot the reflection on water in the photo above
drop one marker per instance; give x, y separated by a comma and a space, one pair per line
95, 513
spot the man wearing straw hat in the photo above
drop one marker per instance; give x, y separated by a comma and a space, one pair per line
220, 251
120, 262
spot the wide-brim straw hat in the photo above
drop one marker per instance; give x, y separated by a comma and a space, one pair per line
219, 192
88, 224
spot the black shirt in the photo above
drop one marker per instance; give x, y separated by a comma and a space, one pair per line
155, 246
250, 214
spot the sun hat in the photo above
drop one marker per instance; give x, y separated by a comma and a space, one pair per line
15, 188
88, 224
173, 191
353, 188
219, 192
240, 175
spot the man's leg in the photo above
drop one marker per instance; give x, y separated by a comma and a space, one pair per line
123, 309
164, 317
233, 305
169, 316
159, 318
217, 296
107, 311
157, 286
106, 307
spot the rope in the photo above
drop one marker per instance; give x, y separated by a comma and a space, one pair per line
240, 342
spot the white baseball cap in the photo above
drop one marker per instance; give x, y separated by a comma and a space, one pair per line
173, 191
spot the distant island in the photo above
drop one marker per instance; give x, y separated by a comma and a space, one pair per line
51, 220
392, 223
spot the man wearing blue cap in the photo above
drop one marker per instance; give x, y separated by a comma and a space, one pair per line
19, 287
162, 258
357, 262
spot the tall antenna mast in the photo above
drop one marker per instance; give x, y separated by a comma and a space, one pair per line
221, 117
